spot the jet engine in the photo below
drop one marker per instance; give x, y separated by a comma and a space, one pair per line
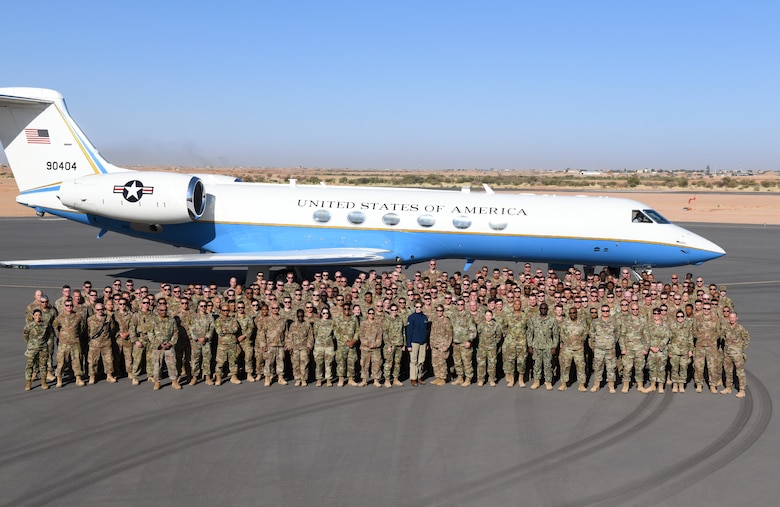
137, 197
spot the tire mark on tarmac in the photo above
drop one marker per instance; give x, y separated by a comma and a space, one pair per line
81, 478
681, 475
475, 489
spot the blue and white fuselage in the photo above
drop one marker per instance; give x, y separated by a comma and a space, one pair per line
236, 223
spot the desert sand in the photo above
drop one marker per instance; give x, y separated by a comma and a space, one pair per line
698, 206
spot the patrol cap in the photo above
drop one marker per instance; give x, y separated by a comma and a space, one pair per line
723, 287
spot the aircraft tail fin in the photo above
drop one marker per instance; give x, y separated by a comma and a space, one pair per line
43, 144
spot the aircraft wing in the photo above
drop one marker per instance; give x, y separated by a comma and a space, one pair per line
325, 256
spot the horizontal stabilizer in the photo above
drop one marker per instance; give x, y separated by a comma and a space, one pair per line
328, 256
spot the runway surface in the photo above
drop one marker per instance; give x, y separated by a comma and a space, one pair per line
119, 444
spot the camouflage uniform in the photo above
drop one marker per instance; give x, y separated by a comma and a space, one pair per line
346, 330
543, 336
737, 341
463, 331
680, 348
69, 328
300, 340
201, 330
143, 324
228, 329
515, 347
370, 349
633, 348
440, 341
101, 331
706, 332
324, 350
36, 336
658, 335
162, 342
394, 346
573, 334
489, 334
247, 345
125, 338
275, 328
603, 337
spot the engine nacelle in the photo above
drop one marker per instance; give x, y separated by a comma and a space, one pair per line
137, 197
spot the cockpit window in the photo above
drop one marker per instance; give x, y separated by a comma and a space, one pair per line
638, 217
657, 217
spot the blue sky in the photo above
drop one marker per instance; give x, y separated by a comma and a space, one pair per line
410, 84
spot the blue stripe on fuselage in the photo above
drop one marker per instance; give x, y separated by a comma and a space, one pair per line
408, 245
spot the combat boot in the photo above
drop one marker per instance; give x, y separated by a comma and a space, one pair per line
713, 390
304, 383
563, 386
59, 381
611, 387
466, 382
319, 383
741, 393
660, 388
674, 387
267, 381
493, 384
44, 384
79, 381
27, 385
282, 381
698, 388
520, 382
234, 379
329, 383
510, 382
157, 385
175, 384
111, 379
135, 381
50, 376
625, 387
250, 377
596, 387
398, 383
377, 383
341, 382
387, 383
480, 383
458, 381
91, 380
352, 382
582, 388
209, 381
682, 387
363, 383
193, 381
535, 385
650, 388
548, 386
727, 390
219, 379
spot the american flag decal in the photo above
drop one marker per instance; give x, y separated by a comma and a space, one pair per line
37, 136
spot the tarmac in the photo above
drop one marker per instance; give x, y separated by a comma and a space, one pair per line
254, 445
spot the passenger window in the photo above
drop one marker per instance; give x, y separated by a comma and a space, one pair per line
322, 215
391, 219
356, 217
461, 222
426, 220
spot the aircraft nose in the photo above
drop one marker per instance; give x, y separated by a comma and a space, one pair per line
701, 248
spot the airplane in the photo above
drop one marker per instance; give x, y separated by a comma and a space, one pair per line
234, 223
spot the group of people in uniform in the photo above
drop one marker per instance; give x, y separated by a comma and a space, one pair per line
384, 326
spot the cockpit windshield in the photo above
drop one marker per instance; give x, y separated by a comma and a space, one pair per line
647, 216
